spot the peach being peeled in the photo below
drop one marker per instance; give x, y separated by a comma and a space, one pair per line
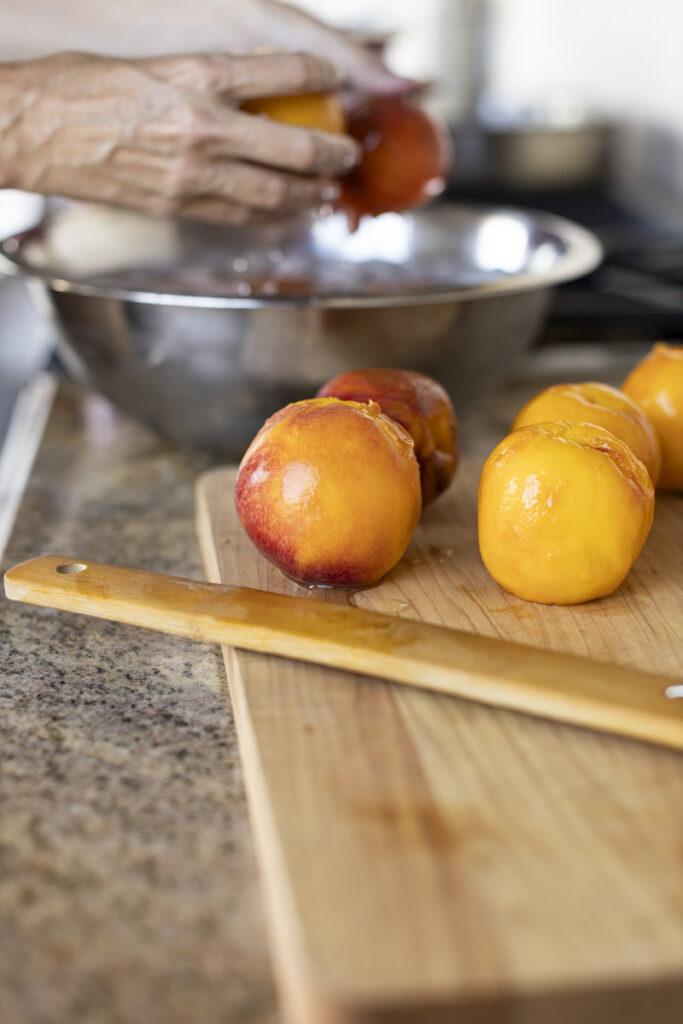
592, 402
319, 110
656, 384
329, 491
564, 510
421, 406
405, 157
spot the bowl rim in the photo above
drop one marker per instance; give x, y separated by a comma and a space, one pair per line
583, 254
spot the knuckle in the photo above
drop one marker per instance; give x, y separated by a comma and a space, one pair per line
196, 125
180, 178
208, 72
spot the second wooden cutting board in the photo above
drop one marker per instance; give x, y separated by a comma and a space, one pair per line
425, 859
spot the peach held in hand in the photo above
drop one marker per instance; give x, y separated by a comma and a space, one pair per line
601, 404
320, 110
656, 384
564, 509
420, 405
329, 491
405, 157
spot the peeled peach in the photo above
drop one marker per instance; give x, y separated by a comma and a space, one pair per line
405, 157
564, 510
601, 404
329, 491
320, 110
656, 384
420, 405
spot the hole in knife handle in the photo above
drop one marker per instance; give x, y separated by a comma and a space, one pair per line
675, 691
70, 568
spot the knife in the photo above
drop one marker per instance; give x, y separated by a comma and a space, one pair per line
563, 687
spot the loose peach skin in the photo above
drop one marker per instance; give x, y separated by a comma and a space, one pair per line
656, 384
329, 491
563, 512
592, 402
421, 406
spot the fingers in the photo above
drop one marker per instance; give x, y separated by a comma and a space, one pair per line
265, 141
208, 208
217, 211
181, 178
275, 74
288, 28
367, 75
260, 188
202, 122
247, 77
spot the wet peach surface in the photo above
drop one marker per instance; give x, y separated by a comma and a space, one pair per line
656, 384
405, 157
319, 110
419, 404
563, 512
592, 402
329, 491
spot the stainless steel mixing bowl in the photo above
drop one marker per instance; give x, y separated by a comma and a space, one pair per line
228, 326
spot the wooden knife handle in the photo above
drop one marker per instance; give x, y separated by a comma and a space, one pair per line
538, 682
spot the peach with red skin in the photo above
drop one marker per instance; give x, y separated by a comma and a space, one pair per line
329, 491
421, 406
404, 161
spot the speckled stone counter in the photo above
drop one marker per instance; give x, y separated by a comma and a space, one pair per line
128, 887
128, 890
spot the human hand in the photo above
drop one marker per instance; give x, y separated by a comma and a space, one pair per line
255, 23
165, 134
131, 29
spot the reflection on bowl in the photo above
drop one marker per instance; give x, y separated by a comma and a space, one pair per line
209, 330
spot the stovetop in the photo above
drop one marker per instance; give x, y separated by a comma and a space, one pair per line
636, 293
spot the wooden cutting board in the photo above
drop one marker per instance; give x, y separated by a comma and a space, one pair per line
425, 859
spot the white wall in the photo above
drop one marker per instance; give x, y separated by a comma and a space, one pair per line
623, 56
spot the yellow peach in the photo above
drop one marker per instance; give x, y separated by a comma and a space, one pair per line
320, 110
603, 405
329, 491
564, 510
656, 384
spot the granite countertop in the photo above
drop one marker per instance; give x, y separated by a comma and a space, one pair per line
128, 887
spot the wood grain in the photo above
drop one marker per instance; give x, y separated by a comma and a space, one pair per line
429, 859
563, 687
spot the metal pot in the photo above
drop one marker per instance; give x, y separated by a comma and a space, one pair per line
533, 154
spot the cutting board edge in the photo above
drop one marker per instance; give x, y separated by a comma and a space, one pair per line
295, 977
307, 999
